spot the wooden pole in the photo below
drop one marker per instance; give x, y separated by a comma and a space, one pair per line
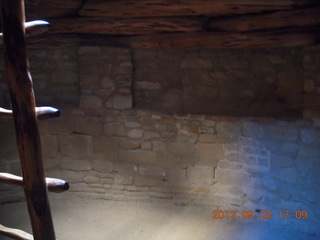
25, 121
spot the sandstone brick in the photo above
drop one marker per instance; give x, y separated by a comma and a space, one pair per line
232, 177
135, 133
130, 145
88, 127
90, 102
115, 129
209, 154
147, 182
117, 187
228, 131
192, 62
177, 175
102, 166
147, 85
123, 180
72, 176
303, 165
151, 170
283, 133
183, 149
207, 138
160, 195
310, 151
146, 146
76, 146
281, 161
78, 165
120, 102
124, 168
310, 136
133, 124
151, 135
106, 148
137, 156
168, 159
253, 130
91, 179
200, 175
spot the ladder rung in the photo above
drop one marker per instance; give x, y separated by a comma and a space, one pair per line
53, 184
33, 28
43, 113
15, 233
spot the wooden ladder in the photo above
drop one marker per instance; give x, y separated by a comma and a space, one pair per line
25, 114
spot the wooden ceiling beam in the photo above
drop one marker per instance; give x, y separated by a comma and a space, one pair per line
126, 26
66, 4
281, 19
283, 38
160, 8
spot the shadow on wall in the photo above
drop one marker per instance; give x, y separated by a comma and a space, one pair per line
255, 82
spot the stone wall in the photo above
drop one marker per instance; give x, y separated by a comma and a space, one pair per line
107, 149
255, 82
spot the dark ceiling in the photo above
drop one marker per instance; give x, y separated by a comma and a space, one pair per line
171, 24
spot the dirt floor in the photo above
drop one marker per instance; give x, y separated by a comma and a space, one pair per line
110, 220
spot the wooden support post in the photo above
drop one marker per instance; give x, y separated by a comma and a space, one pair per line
25, 121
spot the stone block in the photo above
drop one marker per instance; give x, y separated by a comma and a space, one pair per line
165, 158
197, 63
200, 175
252, 130
151, 135
135, 133
160, 195
88, 127
140, 181
147, 85
9, 149
284, 133
130, 145
232, 177
115, 129
309, 151
102, 166
304, 165
72, 176
207, 138
106, 148
310, 136
181, 148
228, 131
123, 180
177, 175
137, 156
278, 161
125, 168
209, 154
90, 102
120, 102
151, 170
76, 146
91, 179
76, 165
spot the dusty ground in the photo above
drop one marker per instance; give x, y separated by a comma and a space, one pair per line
110, 220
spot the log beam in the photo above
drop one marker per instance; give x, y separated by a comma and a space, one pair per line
54, 184
15, 233
283, 38
160, 8
127, 26
43, 113
25, 120
281, 19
